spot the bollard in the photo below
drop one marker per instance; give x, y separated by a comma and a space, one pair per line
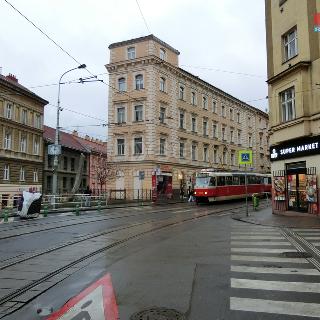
99, 205
77, 210
45, 210
255, 201
5, 215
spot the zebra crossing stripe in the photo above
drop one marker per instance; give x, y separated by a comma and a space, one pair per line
257, 237
261, 250
261, 243
273, 270
267, 259
275, 285
255, 233
276, 307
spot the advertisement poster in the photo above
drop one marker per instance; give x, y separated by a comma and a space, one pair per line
279, 188
311, 188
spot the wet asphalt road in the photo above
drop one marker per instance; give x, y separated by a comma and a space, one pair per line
210, 267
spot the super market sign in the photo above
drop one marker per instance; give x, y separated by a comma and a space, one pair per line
295, 148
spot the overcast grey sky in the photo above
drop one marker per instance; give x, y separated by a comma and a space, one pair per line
227, 35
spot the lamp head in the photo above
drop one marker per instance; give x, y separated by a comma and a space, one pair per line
82, 66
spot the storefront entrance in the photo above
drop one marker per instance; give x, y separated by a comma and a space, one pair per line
296, 186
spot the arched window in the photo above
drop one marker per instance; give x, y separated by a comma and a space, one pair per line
139, 81
122, 84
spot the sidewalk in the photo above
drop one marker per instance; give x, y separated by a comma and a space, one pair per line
287, 219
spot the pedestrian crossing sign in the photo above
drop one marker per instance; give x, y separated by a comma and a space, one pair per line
245, 157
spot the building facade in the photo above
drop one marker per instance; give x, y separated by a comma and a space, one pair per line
73, 170
293, 51
21, 142
165, 123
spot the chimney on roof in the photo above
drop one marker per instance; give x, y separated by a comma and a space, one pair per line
12, 77
87, 137
75, 133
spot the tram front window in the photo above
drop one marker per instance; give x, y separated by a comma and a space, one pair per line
202, 182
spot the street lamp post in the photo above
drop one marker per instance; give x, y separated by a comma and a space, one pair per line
56, 140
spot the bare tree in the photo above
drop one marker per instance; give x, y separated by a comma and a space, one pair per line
104, 171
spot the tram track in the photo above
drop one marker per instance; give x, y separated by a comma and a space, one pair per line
166, 223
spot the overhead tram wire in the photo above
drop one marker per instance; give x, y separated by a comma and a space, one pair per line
145, 21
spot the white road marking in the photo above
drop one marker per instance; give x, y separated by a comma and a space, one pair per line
276, 307
262, 250
267, 259
273, 270
257, 238
275, 285
261, 243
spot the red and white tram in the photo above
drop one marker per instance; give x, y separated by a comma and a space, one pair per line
215, 186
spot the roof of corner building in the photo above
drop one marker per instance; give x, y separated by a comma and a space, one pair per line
66, 139
13, 85
92, 145
140, 39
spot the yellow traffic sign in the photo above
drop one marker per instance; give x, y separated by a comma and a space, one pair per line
245, 157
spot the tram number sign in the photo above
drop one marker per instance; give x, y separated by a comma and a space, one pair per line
245, 157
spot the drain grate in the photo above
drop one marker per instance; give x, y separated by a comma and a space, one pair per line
158, 314
297, 254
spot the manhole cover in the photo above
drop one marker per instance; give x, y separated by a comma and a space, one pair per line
291, 254
158, 314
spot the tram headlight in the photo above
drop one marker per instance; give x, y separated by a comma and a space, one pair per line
195, 192
205, 192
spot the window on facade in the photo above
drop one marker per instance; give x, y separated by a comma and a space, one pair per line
139, 81
223, 111
181, 119
36, 146
35, 175
214, 106
162, 54
23, 143
181, 92
22, 173
224, 157
215, 155
231, 114
231, 136
193, 124
8, 111
138, 113
233, 158
162, 84
24, 116
121, 115
193, 98
290, 44
181, 149
137, 145
131, 53
239, 137
205, 103
261, 141
205, 127
37, 121
214, 131
238, 117
64, 183
162, 146
71, 183
122, 84
65, 163
120, 147
50, 161
288, 105
162, 114
72, 164
250, 141
193, 152
223, 133
6, 172
205, 154
7, 140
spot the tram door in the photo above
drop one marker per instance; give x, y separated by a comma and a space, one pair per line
296, 186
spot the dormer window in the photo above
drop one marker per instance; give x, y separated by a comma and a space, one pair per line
162, 54
131, 53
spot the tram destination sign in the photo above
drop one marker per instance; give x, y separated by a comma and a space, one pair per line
306, 146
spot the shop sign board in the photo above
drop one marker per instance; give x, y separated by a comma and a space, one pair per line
296, 148
311, 188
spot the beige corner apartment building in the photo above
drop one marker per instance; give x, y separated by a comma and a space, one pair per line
165, 123
293, 50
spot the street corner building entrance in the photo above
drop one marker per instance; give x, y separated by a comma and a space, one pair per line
296, 167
